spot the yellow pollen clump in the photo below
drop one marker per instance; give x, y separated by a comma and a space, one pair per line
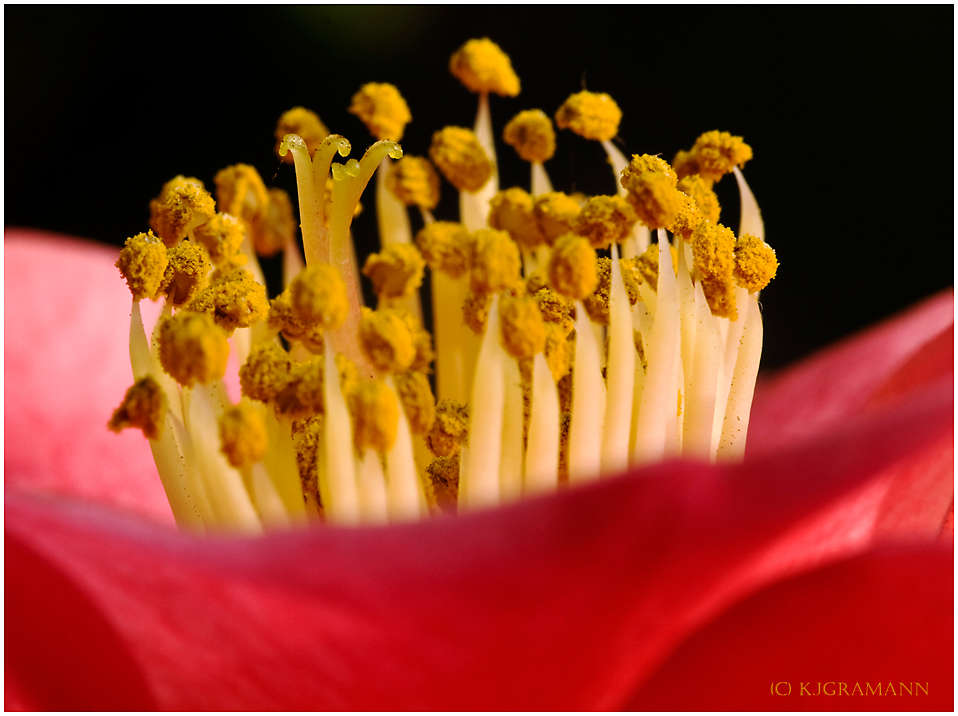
386, 340
705, 198
558, 351
221, 236
302, 395
443, 485
685, 164
482, 66
654, 197
513, 210
303, 122
143, 407
590, 115
449, 429
572, 267
555, 308
182, 205
687, 218
523, 331
495, 264
717, 152
318, 296
642, 163
234, 299
557, 214
186, 273
382, 109
396, 271
597, 303
242, 435
413, 181
417, 399
283, 319
375, 413
475, 311
460, 158
713, 257
277, 228
531, 134
240, 191
265, 372
755, 263
142, 263
445, 246
193, 349
605, 219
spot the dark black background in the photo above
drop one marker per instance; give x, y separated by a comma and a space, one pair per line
849, 112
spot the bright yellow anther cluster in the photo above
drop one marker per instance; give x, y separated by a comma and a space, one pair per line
318, 296
513, 210
417, 399
186, 273
240, 191
558, 351
386, 340
278, 226
523, 331
143, 407
182, 204
713, 256
375, 413
557, 214
597, 303
482, 66
755, 263
590, 115
445, 246
282, 318
705, 198
303, 122
555, 308
193, 349
687, 218
413, 181
242, 434
222, 237
475, 311
572, 267
531, 134
642, 163
265, 372
396, 271
234, 300
382, 109
460, 158
715, 153
605, 219
142, 263
495, 264
449, 429
653, 196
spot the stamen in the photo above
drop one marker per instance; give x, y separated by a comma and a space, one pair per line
143, 261
143, 407
181, 206
243, 435
590, 115
193, 349
460, 158
483, 67
413, 181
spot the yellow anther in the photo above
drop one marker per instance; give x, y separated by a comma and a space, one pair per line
557, 214
182, 204
642, 163
193, 349
318, 296
443, 484
242, 435
705, 198
597, 303
475, 311
523, 331
422, 342
221, 236
495, 264
572, 267
632, 277
265, 372
413, 181
417, 399
646, 266
277, 228
303, 122
513, 210
375, 413
234, 300
460, 158
556, 309
717, 152
240, 191
307, 437
385, 339
654, 197
382, 109
536, 281
482, 66
685, 164
605, 219
283, 319
142, 263
396, 271
590, 115
531, 134
302, 395
713, 256
143, 407
449, 430
755, 263
445, 246
186, 273
687, 218
558, 351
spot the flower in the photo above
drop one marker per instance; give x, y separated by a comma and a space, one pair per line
645, 590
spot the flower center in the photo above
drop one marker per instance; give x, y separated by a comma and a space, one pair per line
565, 344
